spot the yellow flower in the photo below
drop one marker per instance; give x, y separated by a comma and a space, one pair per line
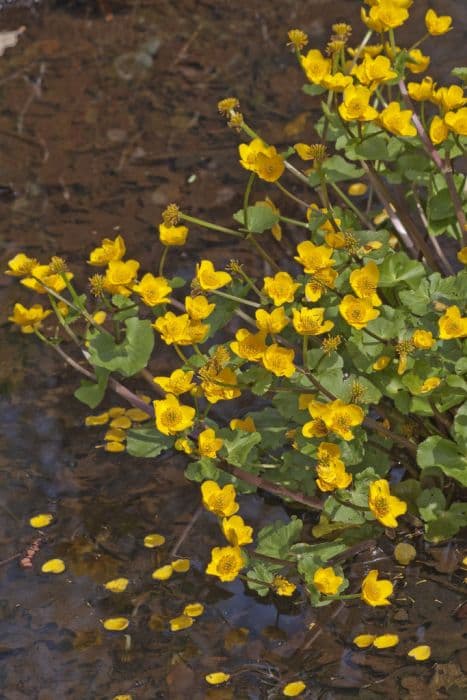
154, 540
41, 520
337, 82
193, 609
316, 66
452, 324
439, 131
220, 386
462, 255
208, 278
363, 641
163, 573
184, 445
387, 14
171, 416
340, 417
457, 121
429, 384
356, 104
421, 91
397, 121
29, 320
226, 563
53, 566
357, 312
122, 697
437, 24
376, 592
220, 501
250, 151
332, 476
313, 257
236, 532
281, 288
311, 321
283, 587
110, 251
368, 50
423, 340
178, 383
365, 281
249, 346
291, 690
43, 278
322, 280
120, 276
181, 566
269, 168
21, 265
117, 585
385, 508
298, 39
180, 330
217, 678
326, 581
279, 360
419, 62
273, 322
153, 290
449, 98
420, 653
99, 317
386, 641
247, 425
116, 624
182, 622
198, 308
381, 363
172, 235
357, 189
373, 71
208, 444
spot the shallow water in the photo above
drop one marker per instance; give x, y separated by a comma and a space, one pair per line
103, 124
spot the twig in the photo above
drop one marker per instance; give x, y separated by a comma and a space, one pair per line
186, 531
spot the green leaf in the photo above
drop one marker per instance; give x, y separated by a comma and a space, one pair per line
128, 357
436, 451
337, 169
276, 539
373, 148
202, 469
440, 206
261, 571
460, 72
258, 378
447, 524
342, 514
398, 268
313, 90
460, 424
260, 218
430, 503
147, 442
177, 282
91, 393
240, 447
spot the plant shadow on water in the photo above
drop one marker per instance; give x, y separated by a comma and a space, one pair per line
104, 123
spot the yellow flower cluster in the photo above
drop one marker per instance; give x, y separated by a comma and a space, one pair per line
119, 421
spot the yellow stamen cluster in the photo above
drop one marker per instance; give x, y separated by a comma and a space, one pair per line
358, 393
298, 39
236, 121
331, 343
341, 30
227, 105
96, 285
171, 215
235, 267
58, 265
334, 46
351, 244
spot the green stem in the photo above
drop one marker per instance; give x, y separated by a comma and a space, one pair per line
262, 252
246, 198
294, 222
234, 298
162, 260
289, 194
305, 350
207, 224
365, 221
180, 353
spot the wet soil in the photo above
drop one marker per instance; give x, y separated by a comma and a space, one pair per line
109, 113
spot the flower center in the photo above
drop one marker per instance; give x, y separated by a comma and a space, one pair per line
381, 506
171, 417
227, 564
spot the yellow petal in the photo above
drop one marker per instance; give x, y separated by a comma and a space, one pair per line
121, 422
181, 565
217, 678
117, 585
364, 640
53, 566
193, 609
122, 697
163, 573
101, 419
154, 540
385, 641
114, 447
420, 653
180, 623
404, 553
293, 689
116, 624
41, 520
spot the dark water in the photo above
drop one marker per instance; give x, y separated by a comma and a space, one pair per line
103, 122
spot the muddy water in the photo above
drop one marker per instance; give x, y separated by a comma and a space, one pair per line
105, 119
